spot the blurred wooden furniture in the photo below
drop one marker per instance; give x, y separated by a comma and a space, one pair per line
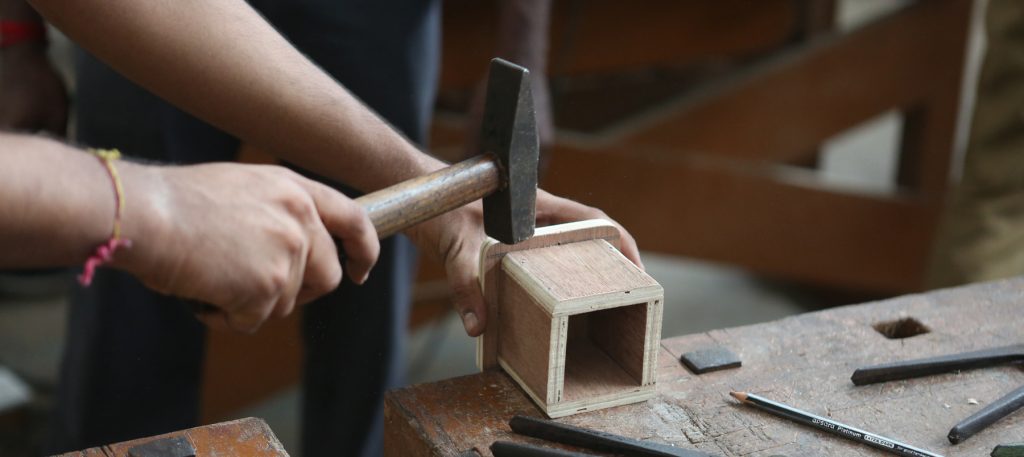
705, 169
805, 361
709, 159
249, 437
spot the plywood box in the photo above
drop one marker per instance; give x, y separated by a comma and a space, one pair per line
573, 321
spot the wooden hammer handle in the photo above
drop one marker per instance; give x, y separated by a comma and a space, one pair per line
408, 203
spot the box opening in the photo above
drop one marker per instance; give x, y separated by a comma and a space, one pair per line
604, 352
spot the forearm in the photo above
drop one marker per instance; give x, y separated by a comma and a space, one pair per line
57, 203
219, 60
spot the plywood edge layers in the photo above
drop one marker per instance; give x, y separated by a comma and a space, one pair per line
652, 344
527, 338
491, 253
537, 400
612, 300
641, 393
556, 410
554, 307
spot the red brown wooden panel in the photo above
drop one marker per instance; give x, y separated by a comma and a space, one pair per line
778, 112
240, 369
737, 214
611, 35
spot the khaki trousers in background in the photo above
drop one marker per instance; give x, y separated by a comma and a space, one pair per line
982, 234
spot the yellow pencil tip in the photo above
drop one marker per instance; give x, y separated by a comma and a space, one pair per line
741, 396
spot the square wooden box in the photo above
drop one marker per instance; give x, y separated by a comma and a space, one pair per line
573, 321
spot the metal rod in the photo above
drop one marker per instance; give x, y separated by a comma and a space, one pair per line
510, 449
934, 365
987, 416
596, 440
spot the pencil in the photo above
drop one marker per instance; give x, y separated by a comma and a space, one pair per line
831, 426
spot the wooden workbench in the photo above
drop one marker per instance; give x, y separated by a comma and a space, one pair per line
805, 361
248, 437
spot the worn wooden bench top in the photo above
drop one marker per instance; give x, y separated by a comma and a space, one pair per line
249, 437
805, 361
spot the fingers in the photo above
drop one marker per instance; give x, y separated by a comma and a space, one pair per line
323, 271
296, 277
244, 321
345, 219
628, 246
215, 319
463, 271
557, 210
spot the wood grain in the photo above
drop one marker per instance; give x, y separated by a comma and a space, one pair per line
408, 203
578, 277
249, 437
621, 333
805, 361
576, 323
491, 254
525, 342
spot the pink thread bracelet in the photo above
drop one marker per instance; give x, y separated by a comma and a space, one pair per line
104, 253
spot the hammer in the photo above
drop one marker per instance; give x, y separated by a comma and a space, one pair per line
505, 174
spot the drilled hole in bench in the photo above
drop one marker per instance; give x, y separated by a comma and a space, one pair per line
902, 328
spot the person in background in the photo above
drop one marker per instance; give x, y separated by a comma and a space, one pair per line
981, 237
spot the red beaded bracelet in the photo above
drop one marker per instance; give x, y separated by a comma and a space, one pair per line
15, 32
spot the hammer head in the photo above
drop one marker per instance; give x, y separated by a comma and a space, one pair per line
509, 131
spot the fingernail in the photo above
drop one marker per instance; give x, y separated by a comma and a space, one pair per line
364, 278
469, 320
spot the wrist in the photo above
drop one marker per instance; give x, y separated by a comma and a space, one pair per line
144, 220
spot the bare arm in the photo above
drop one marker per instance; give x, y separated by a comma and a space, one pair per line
56, 204
219, 60
222, 62
253, 240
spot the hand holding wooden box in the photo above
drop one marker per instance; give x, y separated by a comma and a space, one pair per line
573, 321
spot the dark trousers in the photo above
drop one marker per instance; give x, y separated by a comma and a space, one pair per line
132, 364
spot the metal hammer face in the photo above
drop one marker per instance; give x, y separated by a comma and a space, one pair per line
509, 131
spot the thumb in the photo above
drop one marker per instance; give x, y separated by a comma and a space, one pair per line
463, 273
